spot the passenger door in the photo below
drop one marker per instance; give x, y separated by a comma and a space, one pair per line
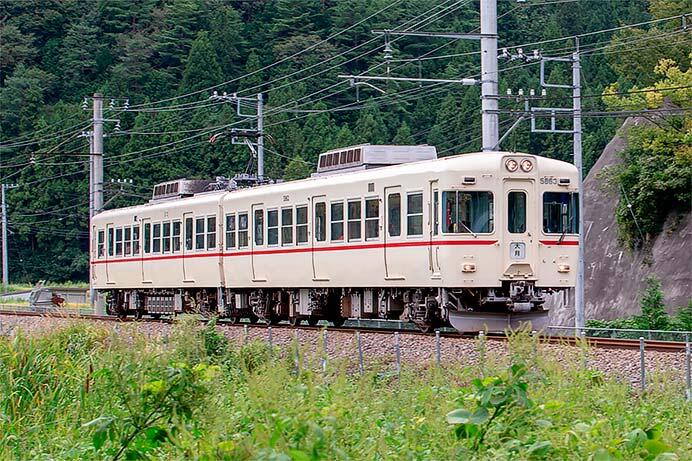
433, 230
187, 244
257, 242
392, 232
519, 228
318, 240
110, 245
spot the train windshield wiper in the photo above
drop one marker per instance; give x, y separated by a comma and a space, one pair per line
564, 230
467, 228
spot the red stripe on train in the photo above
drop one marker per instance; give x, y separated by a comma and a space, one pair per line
558, 243
306, 249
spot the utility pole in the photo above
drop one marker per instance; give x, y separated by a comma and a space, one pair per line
97, 155
579, 317
489, 75
5, 270
260, 137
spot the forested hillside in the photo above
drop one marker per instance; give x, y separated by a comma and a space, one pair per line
158, 61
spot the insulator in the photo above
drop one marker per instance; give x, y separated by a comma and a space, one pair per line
509, 92
521, 92
532, 92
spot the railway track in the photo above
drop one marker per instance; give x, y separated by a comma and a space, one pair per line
374, 327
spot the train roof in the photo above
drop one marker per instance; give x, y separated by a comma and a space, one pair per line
484, 161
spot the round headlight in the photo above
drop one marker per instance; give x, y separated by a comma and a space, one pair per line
526, 165
512, 165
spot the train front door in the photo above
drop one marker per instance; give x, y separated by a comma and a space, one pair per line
520, 227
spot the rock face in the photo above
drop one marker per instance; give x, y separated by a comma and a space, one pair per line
614, 275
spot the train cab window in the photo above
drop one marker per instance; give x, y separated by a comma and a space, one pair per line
176, 236
166, 237
286, 226
230, 231
372, 218
188, 234
119, 241
199, 234
516, 212
467, 212
147, 238
258, 230
337, 227
100, 245
243, 240
436, 212
128, 241
156, 238
135, 240
394, 215
354, 224
211, 233
301, 224
560, 212
272, 227
320, 221
414, 214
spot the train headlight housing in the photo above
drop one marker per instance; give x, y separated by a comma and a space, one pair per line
563, 268
468, 267
526, 165
511, 165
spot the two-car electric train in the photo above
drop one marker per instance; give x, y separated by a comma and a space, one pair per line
379, 232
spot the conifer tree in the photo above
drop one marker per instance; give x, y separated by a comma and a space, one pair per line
201, 69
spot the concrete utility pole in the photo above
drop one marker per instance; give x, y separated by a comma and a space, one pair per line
260, 137
489, 75
5, 270
579, 317
97, 154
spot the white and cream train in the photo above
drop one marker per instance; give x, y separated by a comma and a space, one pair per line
386, 232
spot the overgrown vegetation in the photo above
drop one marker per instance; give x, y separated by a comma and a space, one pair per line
653, 316
54, 53
85, 392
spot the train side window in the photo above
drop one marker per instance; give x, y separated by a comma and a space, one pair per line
127, 239
286, 226
467, 212
156, 238
166, 237
135, 240
100, 245
242, 230
414, 214
230, 231
119, 241
337, 215
258, 230
176, 235
147, 238
211, 232
199, 234
188, 233
320, 221
372, 218
436, 211
394, 214
516, 212
354, 222
272, 227
301, 224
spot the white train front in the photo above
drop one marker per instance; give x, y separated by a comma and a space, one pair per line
386, 232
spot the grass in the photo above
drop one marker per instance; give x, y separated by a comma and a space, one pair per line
14, 287
85, 392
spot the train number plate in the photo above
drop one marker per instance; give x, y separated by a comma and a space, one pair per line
517, 250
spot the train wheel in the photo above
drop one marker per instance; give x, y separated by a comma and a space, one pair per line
312, 321
427, 328
253, 319
233, 319
138, 314
338, 321
155, 316
294, 321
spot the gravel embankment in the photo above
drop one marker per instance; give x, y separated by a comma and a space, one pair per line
379, 351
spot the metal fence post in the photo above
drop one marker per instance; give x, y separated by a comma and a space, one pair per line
361, 368
297, 344
245, 333
270, 340
397, 349
585, 353
642, 365
438, 359
325, 353
481, 351
688, 365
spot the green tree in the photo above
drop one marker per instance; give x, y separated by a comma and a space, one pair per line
654, 316
201, 69
226, 35
403, 135
297, 168
16, 48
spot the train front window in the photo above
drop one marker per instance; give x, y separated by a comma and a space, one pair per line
560, 212
467, 212
516, 212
